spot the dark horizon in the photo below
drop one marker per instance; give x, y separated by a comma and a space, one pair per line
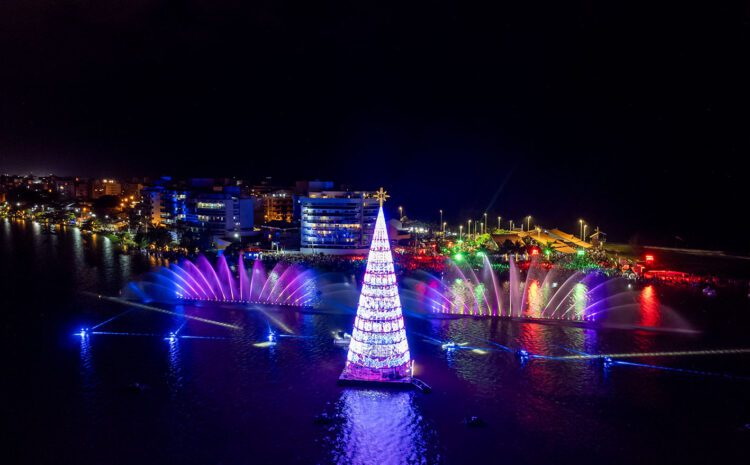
631, 117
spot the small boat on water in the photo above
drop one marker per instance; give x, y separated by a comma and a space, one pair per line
450, 345
421, 385
341, 338
709, 291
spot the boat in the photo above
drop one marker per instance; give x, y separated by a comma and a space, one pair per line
341, 338
709, 291
421, 385
450, 345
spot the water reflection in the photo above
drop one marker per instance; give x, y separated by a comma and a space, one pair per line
649, 300
381, 428
87, 365
174, 373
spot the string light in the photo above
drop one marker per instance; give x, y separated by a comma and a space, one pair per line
378, 350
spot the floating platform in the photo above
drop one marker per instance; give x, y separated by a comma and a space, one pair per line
299, 307
399, 383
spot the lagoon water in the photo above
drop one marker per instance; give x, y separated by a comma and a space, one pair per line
225, 396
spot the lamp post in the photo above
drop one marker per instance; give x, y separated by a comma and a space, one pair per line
581, 222
528, 223
400, 213
499, 227
468, 230
460, 231
511, 224
485, 223
444, 225
585, 227
441, 220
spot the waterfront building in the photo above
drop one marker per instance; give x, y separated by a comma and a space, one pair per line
223, 215
82, 189
163, 206
280, 235
337, 222
65, 187
102, 187
278, 205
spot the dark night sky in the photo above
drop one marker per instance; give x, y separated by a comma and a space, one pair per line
633, 115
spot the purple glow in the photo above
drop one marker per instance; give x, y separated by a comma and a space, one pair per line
378, 350
541, 293
285, 284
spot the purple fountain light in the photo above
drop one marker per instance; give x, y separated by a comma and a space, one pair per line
285, 284
544, 293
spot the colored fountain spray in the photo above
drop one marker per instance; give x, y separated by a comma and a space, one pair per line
548, 293
378, 351
285, 284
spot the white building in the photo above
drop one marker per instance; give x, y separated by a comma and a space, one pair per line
337, 222
223, 215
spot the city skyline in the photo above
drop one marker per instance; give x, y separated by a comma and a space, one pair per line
641, 130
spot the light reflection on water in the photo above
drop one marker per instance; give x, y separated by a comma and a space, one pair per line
226, 400
380, 427
650, 315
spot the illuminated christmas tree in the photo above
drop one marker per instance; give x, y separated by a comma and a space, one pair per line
378, 350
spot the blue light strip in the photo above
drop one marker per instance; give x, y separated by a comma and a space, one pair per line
113, 333
113, 318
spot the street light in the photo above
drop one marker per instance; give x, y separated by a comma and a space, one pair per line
585, 227
499, 227
400, 213
444, 225
460, 231
485, 222
528, 223
581, 222
441, 220
468, 229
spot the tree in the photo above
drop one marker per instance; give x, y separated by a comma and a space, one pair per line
378, 350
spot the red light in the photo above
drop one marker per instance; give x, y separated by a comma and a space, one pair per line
534, 251
649, 258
